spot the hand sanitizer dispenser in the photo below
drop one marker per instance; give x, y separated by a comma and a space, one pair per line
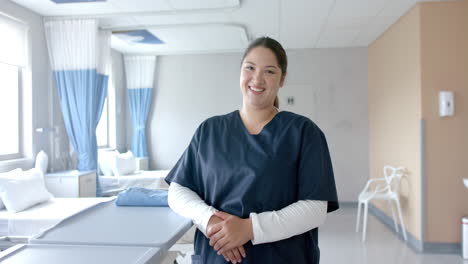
446, 103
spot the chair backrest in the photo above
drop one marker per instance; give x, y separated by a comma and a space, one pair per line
392, 177
42, 161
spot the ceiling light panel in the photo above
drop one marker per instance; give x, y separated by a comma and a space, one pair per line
49, 8
141, 36
190, 39
208, 37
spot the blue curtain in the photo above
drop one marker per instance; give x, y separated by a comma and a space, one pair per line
79, 54
139, 100
82, 94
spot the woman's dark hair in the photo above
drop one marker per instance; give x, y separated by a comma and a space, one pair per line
277, 49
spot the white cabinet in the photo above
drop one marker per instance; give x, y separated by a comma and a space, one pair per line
71, 183
142, 163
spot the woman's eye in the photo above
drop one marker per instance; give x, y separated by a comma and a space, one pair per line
249, 68
270, 72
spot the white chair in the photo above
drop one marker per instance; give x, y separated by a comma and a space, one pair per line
385, 188
42, 161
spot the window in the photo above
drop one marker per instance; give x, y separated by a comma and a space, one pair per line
9, 113
102, 130
12, 63
106, 129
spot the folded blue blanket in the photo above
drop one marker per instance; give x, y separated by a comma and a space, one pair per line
136, 196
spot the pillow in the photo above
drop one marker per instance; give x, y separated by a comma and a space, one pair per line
25, 191
106, 161
10, 174
42, 160
125, 163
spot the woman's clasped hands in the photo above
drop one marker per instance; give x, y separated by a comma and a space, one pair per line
228, 233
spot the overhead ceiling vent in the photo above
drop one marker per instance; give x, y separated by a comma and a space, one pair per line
138, 37
75, 1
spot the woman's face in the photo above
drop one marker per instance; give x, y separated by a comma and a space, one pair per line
260, 78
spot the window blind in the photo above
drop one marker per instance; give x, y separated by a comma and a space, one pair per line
13, 35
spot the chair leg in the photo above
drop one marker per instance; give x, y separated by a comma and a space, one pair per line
393, 215
397, 201
364, 225
358, 216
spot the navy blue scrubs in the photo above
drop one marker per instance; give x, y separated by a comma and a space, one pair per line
240, 173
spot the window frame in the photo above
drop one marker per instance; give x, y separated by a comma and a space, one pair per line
19, 154
24, 82
107, 145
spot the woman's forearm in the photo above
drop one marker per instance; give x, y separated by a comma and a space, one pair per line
292, 220
187, 203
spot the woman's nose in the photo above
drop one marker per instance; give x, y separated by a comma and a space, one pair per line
258, 77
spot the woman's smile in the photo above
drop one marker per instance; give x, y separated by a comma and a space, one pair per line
256, 89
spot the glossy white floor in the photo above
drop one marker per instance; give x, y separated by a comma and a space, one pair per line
339, 243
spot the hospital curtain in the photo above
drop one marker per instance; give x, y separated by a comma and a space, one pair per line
80, 58
140, 76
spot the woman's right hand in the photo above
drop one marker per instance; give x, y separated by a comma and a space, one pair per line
234, 255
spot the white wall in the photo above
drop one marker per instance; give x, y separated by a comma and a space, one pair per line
39, 89
329, 86
189, 89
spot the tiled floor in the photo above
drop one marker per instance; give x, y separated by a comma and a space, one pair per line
339, 243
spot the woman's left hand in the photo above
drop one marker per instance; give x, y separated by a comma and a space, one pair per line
232, 232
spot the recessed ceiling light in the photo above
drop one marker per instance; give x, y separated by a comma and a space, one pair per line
138, 37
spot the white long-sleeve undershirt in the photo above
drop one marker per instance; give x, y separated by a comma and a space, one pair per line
294, 219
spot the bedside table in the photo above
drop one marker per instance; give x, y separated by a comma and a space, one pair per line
71, 183
142, 163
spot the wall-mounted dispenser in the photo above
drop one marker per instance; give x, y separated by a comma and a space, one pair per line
446, 103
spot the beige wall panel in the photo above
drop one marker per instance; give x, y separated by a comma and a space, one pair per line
395, 111
444, 36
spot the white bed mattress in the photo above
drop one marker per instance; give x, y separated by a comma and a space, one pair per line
40, 217
145, 179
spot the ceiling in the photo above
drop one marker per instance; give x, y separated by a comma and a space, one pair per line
207, 26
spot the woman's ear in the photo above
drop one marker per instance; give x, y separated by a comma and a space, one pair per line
282, 80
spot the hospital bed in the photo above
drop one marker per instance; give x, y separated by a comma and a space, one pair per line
111, 185
109, 225
79, 254
19, 227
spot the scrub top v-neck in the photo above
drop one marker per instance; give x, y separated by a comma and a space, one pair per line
240, 173
245, 128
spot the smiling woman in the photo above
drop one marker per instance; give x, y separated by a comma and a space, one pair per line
275, 64
256, 182
263, 72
